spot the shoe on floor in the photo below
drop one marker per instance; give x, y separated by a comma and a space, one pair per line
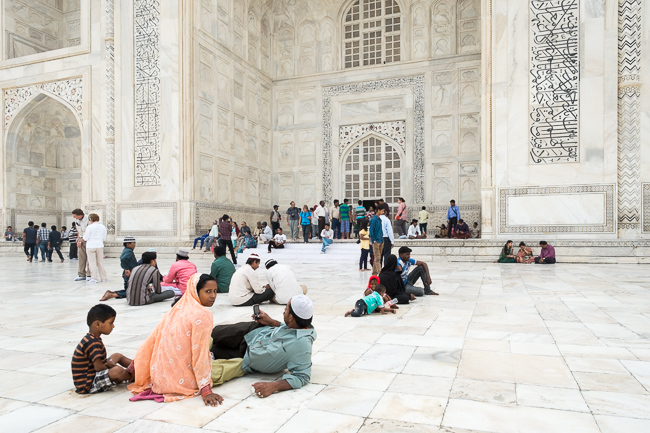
80, 279
89, 278
92, 281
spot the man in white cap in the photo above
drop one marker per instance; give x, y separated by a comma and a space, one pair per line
267, 346
245, 288
179, 273
283, 281
127, 262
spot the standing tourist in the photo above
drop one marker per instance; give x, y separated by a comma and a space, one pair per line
423, 219
401, 217
293, 214
275, 218
364, 243
335, 216
222, 270
29, 240
319, 212
94, 237
72, 239
225, 236
376, 240
344, 211
54, 244
81, 222
327, 235
387, 233
179, 273
546, 255
245, 288
360, 213
382, 203
453, 215
305, 223
43, 239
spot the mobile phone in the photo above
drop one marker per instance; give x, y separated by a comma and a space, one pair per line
256, 311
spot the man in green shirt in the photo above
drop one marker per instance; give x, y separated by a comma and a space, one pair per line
344, 209
222, 269
267, 346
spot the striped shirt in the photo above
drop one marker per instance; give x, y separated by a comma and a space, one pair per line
43, 234
141, 276
72, 235
89, 350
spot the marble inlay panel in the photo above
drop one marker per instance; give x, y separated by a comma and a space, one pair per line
394, 131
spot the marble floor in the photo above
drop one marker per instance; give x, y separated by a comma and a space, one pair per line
504, 348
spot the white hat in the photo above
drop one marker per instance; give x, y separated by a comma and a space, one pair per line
302, 306
254, 256
182, 252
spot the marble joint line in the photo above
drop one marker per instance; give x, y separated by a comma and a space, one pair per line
415, 82
146, 27
69, 90
554, 81
607, 227
629, 55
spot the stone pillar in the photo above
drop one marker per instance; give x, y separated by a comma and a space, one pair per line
109, 104
629, 83
488, 196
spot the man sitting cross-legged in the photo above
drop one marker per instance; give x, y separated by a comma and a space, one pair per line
267, 346
278, 241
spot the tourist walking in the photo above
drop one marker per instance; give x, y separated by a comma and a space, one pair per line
43, 239
293, 220
54, 244
94, 237
81, 222
29, 240
401, 217
453, 215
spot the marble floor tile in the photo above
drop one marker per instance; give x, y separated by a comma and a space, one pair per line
82, 424
385, 357
542, 370
325, 375
421, 385
254, 415
616, 424
7, 405
483, 365
365, 379
618, 404
419, 409
524, 348
373, 425
142, 425
640, 370
551, 398
479, 390
624, 383
487, 345
191, 412
428, 361
29, 418
595, 365
344, 400
316, 421
120, 408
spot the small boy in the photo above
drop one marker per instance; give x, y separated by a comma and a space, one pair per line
364, 241
92, 372
328, 237
373, 282
370, 303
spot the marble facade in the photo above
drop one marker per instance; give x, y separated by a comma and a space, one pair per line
186, 110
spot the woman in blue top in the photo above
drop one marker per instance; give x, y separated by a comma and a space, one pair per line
305, 223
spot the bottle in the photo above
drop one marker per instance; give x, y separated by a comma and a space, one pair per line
391, 302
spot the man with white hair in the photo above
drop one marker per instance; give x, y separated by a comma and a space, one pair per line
283, 282
267, 346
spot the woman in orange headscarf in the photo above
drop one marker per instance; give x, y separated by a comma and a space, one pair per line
174, 361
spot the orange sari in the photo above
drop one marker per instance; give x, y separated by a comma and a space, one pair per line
175, 360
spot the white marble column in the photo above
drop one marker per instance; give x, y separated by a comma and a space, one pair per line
488, 196
629, 83
109, 107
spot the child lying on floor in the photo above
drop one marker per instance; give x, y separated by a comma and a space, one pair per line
373, 282
370, 303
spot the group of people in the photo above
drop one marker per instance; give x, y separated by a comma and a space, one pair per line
40, 239
525, 254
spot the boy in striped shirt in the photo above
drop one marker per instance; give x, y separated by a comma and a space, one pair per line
92, 371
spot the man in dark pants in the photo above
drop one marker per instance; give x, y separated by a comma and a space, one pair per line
546, 255
453, 214
29, 241
387, 234
225, 236
420, 272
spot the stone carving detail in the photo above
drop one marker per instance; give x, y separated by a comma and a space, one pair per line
70, 90
608, 226
555, 77
147, 92
109, 45
629, 55
442, 28
417, 83
646, 207
394, 131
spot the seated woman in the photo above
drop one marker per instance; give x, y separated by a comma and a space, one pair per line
174, 361
393, 281
506, 256
525, 254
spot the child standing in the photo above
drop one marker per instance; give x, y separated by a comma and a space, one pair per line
328, 237
370, 303
364, 241
92, 371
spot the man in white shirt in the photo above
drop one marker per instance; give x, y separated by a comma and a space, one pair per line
214, 233
328, 237
387, 233
320, 213
267, 233
414, 231
83, 270
278, 240
335, 219
245, 289
283, 282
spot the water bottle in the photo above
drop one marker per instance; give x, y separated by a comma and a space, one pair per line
391, 302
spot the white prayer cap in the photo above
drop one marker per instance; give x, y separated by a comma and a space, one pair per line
302, 306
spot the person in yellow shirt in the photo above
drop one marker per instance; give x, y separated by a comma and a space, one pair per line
423, 219
364, 238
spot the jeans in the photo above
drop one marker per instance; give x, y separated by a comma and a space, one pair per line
273, 245
42, 247
364, 258
401, 227
208, 242
293, 225
336, 227
423, 228
326, 243
200, 238
157, 297
452, 224
416, 274
360, 308
258, 298
305, 232
321, 226
228, 243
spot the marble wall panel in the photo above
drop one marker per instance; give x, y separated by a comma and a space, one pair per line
147, 219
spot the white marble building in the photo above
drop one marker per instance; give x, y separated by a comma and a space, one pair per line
162, 115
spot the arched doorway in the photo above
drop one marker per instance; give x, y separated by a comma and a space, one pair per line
43, 163
372, 170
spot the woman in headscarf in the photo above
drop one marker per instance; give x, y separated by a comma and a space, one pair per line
393, 281
525, 254
506, 255
174, 361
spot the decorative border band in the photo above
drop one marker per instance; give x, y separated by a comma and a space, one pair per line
608, 227
169, 205
645, 200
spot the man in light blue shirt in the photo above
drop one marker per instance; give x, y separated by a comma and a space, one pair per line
453, 215
387, 233
268, 346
